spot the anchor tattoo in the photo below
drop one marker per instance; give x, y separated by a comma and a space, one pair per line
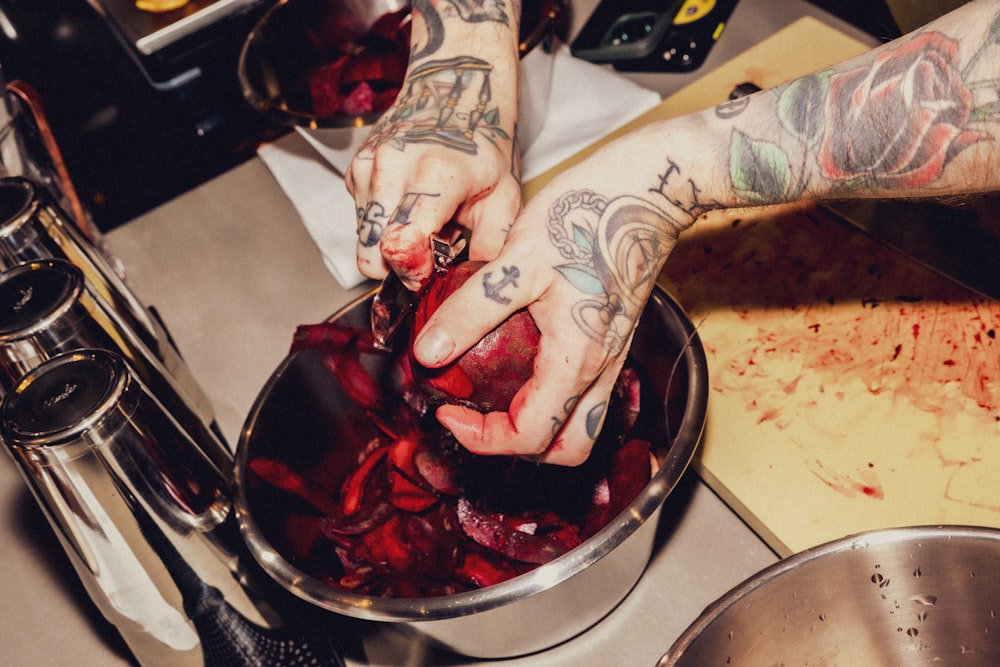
492, 290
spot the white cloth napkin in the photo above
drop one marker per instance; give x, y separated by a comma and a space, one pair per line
566, 105
317, 191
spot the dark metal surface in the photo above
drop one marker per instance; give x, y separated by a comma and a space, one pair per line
959, 242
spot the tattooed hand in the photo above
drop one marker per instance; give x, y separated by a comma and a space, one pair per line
446, 151
585, 265
917, 117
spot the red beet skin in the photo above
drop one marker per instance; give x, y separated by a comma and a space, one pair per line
488, 375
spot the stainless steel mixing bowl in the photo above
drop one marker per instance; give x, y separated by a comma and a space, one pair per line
303, 413
905, 596
296, 36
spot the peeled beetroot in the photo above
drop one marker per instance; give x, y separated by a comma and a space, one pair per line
488, 375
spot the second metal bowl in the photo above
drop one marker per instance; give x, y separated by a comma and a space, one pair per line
296, 36
904, 596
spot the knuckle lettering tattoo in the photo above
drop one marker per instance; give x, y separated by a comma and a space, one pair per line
401, 216
373, 218
371, 224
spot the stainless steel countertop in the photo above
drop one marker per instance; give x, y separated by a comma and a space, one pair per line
232, 271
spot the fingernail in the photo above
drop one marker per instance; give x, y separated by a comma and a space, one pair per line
433, 346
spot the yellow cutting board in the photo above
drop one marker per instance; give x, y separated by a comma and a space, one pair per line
851, 388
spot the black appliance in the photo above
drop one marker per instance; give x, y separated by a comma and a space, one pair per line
875, 18
143, 106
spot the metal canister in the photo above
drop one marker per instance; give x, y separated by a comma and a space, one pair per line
24, 149
144, 517
33, 226
46, 307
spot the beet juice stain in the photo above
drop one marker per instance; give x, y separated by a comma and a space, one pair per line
802, 313
816, 292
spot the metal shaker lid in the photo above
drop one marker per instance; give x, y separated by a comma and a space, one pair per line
66, 396
35, 294
17, 203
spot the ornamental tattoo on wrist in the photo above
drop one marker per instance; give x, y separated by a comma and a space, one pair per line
614, 249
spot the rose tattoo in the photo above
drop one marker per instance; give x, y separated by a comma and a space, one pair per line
894, 125
916, 93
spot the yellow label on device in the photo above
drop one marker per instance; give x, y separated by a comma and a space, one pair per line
692, 10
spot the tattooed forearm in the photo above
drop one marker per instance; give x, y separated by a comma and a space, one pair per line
434, 27
893, 124
732, 108
469, 11
477, 11
448, 100
681, 192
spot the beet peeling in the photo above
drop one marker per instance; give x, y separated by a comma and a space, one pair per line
417, 515
488, 375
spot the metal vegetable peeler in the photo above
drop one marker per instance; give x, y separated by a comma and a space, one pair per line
393, 302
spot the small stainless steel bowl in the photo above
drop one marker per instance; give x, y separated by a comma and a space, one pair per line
296, 36
302, 411
904, 596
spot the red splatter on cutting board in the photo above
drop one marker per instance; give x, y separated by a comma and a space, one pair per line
852, 388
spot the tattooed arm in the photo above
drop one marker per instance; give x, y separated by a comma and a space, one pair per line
447, 148
919, 117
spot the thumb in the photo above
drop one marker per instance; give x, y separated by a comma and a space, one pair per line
485, 300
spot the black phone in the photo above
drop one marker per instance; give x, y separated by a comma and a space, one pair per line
624, 29
652, 35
